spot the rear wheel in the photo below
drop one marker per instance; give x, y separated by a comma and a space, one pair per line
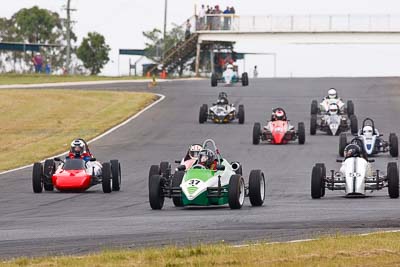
214, 81
165, 168
106, 177
301, 131
353, 124
256, 133
313, 124
256, 188
241, 114
156, 197
202, 114
176, 182
393, 180
314, 107
116, 175
316, 182
48, 171
394, 145
236, 192
245, 79
154, 170
342, 144
350, 108
37, 174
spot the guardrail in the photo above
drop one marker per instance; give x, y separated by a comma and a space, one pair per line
299, 23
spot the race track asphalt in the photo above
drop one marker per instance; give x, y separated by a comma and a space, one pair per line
68, 223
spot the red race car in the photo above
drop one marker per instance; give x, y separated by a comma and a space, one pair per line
76, 175
278, 130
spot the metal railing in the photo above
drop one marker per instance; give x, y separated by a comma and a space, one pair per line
299, 23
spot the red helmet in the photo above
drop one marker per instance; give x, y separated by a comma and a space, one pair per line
279, 114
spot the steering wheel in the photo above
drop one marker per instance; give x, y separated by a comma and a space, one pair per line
198, 166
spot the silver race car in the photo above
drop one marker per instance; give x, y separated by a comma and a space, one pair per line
222, 111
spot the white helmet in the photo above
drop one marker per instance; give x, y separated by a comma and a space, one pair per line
194, 151
333, 109
367, 131
78, 147
229, 67
332, 93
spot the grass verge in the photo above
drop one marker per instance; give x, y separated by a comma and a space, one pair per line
380, 249
9, 79
41, 123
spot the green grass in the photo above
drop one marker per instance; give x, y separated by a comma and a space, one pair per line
9, 79
381, 249
40, 123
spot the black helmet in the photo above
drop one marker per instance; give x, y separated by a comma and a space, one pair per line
352, 150
222, 94
206, 157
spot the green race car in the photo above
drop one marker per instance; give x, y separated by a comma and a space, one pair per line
216, 183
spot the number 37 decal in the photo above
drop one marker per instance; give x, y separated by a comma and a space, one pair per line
194, 182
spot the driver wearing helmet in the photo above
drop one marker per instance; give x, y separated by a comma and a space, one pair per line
333, 109
208, 159
354, 150
79, 150
278, 114
332, 94
193, 152
368, 131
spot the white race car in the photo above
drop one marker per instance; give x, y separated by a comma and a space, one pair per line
229, 76
371, 141
355, 177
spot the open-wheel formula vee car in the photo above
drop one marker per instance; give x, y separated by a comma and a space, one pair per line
76, 175
229, 77
355, 178
221, 113
333, 122
201, 186
278, 131
371, 141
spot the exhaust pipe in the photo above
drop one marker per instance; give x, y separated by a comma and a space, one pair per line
235, 166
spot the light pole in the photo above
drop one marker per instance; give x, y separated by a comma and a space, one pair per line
68, 35
165, 28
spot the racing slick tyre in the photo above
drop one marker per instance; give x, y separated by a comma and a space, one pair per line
313, 124
323, 168
116, 175
236, 192
393, 180
314, 107
256, 188
353, 124
256, 133
241, 114
176, 182
156, 197
37, 174
342, 144
165, 169
245, 79
301, 132
316, 182
214, 81
48, 171
350, 108
202, 114
394, 145
154, 170
106, 177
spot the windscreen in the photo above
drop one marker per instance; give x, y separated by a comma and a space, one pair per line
74, 164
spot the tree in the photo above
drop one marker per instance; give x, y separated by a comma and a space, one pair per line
93, 52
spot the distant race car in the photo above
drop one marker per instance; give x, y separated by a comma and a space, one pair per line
278, 131
371, 141
333, 122
221, 112
76, 175
355, 177
229, 77
201, 186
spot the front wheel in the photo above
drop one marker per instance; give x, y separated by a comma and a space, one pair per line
301, 131
48, 171
342, 144
350, 108
256, 133
394, 145
202, 114
393, 180
106, 177
116, 175
316, 182
37, 177
241, 114
156, 197
236, 192
176, 182
313, 124
314, 107
256, 188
